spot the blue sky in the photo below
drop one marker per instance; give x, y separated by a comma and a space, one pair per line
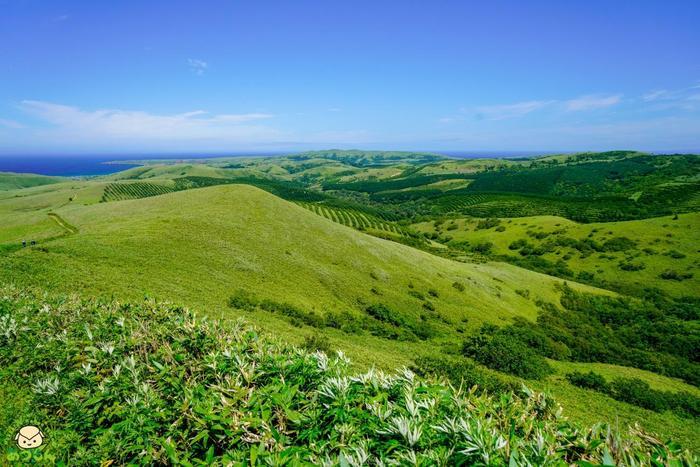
229, 76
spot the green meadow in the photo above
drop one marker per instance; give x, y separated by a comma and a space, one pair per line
580, 278
647, 248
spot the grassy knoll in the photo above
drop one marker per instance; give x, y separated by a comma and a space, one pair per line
13, 181
596, 253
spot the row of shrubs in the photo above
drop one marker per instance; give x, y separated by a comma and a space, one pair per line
638, 392
379, 320
585, 246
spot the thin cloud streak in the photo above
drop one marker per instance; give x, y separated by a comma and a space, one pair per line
68, 121
10, 124
502, 112
592, 102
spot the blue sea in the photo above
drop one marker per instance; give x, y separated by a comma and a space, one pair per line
61, 166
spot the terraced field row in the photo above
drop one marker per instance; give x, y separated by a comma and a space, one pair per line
458, 203
121, 191
353, 218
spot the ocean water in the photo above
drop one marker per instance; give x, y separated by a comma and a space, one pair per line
61, 166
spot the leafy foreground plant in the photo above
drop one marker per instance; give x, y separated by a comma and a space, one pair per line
149, 383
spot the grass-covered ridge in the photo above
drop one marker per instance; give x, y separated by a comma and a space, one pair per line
13, 181
112, 382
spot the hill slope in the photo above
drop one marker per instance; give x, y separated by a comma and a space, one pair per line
13, 181
627, 256
201, 246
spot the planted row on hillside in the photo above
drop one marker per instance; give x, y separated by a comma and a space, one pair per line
133, 190
354, 218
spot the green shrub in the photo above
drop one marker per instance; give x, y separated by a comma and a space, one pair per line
462, 372
631, 265
317, 342
637, 392
517, 244
502, 352
675, 254
618, 244
243, 300
487, 223
673, 275
588, 380
482, 247
525, 293
459, 286
416, 294
382, 313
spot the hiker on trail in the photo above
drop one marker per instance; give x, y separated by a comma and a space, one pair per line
24, 243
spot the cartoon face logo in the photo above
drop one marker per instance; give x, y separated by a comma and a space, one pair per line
29, 437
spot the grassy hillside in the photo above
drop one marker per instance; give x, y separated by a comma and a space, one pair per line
627, 256
13, 181
25, 213
202, 246
147, 383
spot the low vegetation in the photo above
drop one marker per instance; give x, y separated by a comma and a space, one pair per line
149, 383
637, 392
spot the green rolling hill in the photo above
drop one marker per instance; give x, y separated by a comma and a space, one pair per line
200, 246
13, 181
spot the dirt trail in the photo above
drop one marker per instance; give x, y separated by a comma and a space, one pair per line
62, 222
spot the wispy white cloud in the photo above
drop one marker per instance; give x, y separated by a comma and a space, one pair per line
60, 18
666, 134
65, 126
10, 124
69, 122
592, 102
519, 109
686, 99
655, 95
198, 67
